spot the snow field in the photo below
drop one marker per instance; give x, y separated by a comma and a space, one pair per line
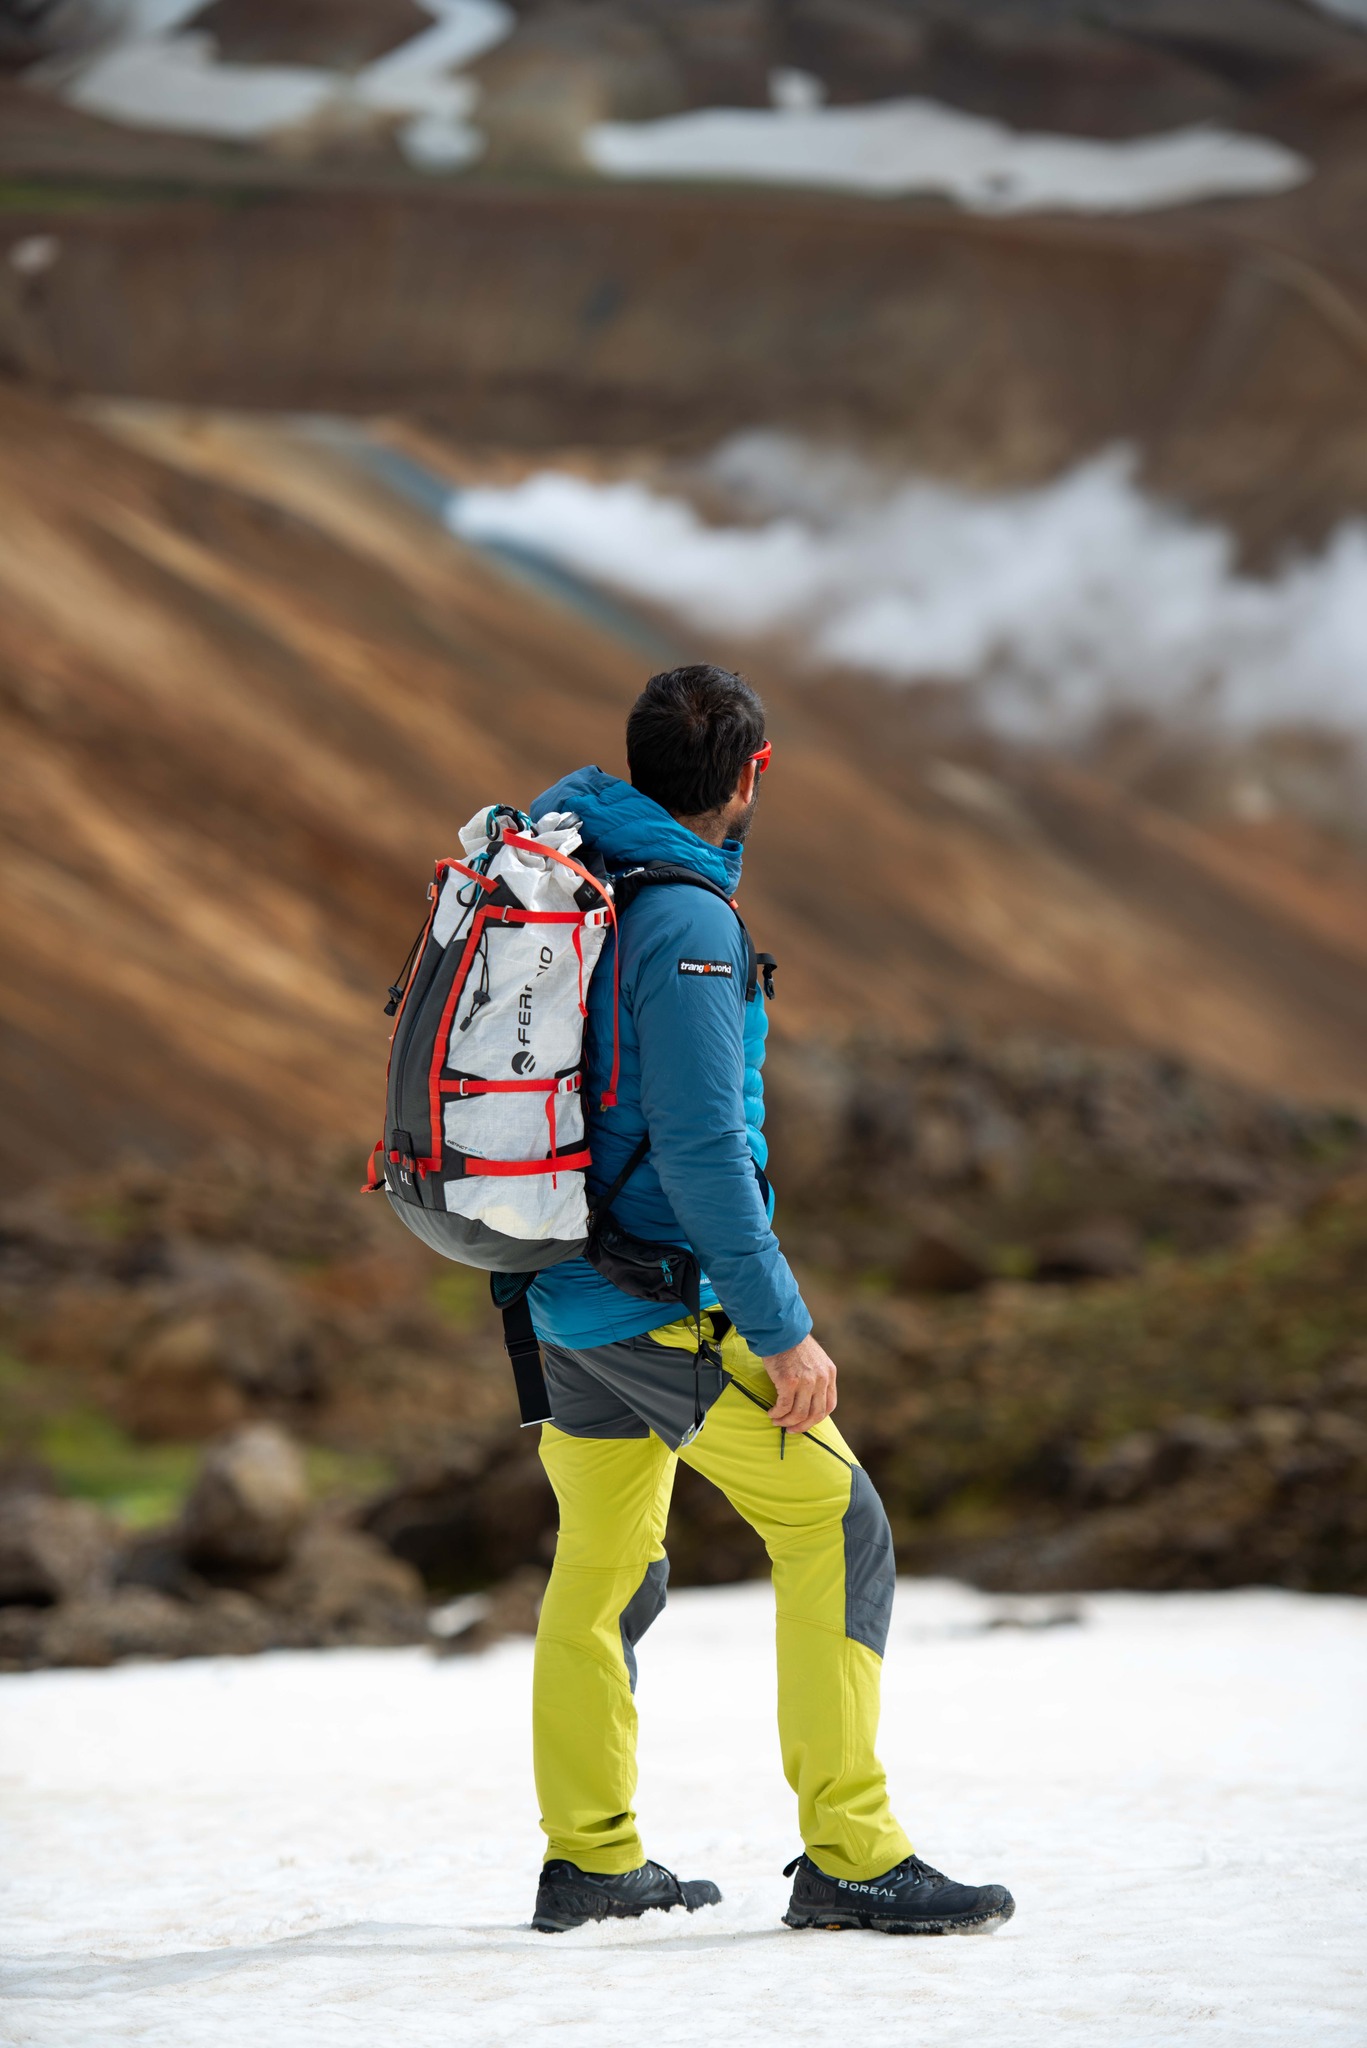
341, 1847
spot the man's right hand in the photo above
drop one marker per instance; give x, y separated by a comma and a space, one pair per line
804, 1378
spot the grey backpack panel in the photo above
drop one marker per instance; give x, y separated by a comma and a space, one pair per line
474, 1244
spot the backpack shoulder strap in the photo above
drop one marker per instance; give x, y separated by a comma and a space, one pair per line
655, 873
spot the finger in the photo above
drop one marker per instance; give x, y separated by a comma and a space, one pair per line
783, 1405
804, 1411
823, 1400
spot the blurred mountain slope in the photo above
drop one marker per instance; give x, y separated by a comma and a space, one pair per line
248, 696
232, 747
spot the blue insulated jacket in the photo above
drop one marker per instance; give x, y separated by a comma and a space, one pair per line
691, 1049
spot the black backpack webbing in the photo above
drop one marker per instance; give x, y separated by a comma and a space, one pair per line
524, 1352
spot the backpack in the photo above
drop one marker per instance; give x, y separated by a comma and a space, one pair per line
484, 1153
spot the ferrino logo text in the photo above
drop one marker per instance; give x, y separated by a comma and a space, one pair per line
524, 1059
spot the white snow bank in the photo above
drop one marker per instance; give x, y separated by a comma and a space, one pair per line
176, 83
1056, 604
153, 77
916, 145
341, 1848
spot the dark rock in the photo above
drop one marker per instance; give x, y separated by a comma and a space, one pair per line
1106, 1248
158, 1562
1280, 1499
224, 1334
130, 1621
342, 1580
21, 1635
940, 1264
134, 1621
247, 1504
1126, 1471
176, 1386
1194, 1441
51, 1549
470, 1524
341, 34
1152, 1458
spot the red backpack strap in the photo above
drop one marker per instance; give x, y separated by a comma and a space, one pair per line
374, 1181
511, 838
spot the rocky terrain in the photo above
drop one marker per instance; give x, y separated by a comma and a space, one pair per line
241, 1570
1099, 1320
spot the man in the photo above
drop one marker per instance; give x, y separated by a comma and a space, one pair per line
626, 1393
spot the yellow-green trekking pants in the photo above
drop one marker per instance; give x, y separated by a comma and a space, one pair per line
828, 1542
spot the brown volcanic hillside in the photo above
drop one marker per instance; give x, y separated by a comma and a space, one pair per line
232, 744
246, 697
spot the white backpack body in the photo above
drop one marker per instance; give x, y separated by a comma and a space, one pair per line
484, 1149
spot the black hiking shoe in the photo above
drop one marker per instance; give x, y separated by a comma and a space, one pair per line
909, 1899
568, 1896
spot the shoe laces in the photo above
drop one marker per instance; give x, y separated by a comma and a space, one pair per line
651, 1864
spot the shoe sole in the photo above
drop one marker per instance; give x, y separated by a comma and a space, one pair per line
834, 1921
561, 1923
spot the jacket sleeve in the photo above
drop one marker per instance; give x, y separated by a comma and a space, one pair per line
690, 1024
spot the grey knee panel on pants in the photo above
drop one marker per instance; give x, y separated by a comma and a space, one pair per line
870, 1570
643, 1607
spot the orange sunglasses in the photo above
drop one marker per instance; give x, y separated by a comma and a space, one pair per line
761, 758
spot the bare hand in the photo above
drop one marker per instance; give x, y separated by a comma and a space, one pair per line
805, 1380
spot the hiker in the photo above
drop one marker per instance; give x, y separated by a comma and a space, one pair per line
674, 1045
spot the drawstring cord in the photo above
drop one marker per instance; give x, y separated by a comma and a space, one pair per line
806, 1435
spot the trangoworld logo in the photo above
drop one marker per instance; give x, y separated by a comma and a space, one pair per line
706, 967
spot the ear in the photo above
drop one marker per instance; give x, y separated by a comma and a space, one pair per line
745, 788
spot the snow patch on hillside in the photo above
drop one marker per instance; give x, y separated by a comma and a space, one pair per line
341, 1847
155, 75
917, 145
1056, 605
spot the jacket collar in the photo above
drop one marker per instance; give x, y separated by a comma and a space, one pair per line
627, 828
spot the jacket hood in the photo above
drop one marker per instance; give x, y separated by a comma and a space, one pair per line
628, 828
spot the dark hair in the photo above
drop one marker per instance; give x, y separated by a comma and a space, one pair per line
690, 733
